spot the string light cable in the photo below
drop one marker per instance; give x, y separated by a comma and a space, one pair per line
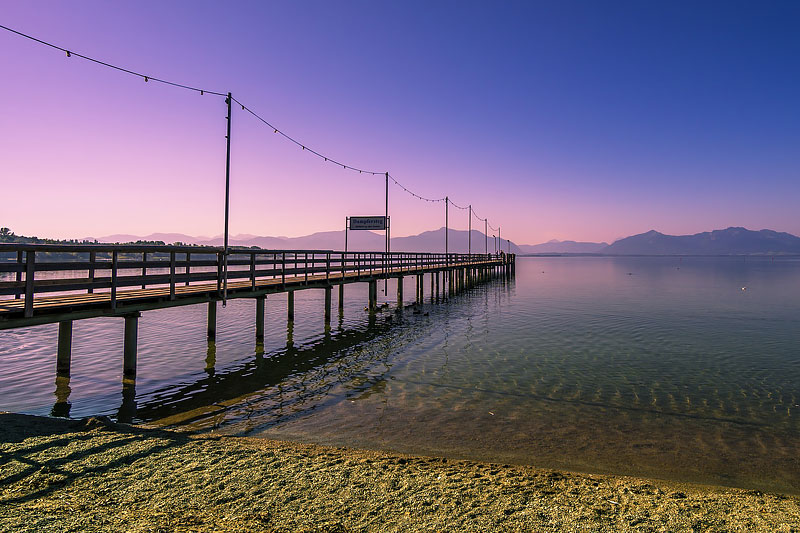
464, 208
412, 193
147, 78
304, 147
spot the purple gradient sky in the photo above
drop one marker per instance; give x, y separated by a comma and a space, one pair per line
568, 120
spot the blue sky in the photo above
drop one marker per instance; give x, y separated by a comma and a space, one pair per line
569, 120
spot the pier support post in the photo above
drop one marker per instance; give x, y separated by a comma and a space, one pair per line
130, 345
260, 318
328, 291
290, 305
373, 296
400, 291
212, 320
64, 348
341, 297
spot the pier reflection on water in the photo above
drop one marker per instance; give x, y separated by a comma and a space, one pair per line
266, 378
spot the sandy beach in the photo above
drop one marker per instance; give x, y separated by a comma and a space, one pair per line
91, 475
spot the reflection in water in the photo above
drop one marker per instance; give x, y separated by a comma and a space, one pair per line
127, 409
261, 378
62, 406
289, 335
211, 357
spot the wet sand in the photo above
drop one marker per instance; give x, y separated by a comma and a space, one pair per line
84, 475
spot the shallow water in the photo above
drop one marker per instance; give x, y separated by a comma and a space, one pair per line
662, 367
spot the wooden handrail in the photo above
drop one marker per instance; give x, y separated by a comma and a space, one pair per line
160, 265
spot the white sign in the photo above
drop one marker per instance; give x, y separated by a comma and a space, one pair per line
370, 223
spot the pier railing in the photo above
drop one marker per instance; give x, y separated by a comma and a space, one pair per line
30, 270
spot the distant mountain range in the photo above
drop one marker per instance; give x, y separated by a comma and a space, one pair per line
564, 247
362, 241
730, 241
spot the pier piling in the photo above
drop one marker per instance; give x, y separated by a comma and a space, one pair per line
373, 296
400, 291
64, 348
328, 291
212, 320
130, 345
260, 318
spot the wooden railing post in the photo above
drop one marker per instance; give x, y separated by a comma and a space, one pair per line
18, 295
92, 259
283, 269
172, 275
114, 260
188, 268
253, 270
220, 261
305, 267
144, 270
327, 266
30, 274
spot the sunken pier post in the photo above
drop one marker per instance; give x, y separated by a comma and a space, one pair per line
373, 296
260, 318
130, 345
212, 320
64, 356
328, 291
290, 306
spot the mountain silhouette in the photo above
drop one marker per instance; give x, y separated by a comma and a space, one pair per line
730, 241
360, 241
564, 247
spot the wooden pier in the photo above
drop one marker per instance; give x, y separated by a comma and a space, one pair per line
43, 284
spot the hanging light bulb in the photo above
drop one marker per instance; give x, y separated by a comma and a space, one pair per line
68, 54
145, 79
201, 92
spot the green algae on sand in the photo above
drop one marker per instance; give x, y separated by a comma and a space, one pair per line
83, 475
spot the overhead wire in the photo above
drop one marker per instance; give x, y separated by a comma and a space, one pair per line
464, 208
415, 194
145, 77
306, 148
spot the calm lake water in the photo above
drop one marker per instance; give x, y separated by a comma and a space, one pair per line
662, 367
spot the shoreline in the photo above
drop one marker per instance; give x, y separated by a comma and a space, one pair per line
71, 475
